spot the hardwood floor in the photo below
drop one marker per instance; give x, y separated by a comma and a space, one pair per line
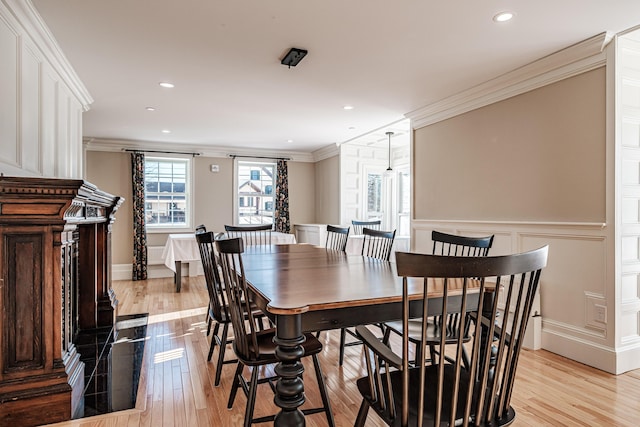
176, 387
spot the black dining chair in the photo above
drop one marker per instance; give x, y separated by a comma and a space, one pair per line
358, 226
251, 234
446, 393
376, 244
218, 311
455, 323
337, 238
252, 347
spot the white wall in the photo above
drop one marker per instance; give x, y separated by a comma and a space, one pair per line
42, 99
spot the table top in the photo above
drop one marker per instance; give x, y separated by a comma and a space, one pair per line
296, 279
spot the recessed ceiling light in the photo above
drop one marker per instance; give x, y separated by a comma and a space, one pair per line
289, 141
167, 85
352, 127
166, 131
503, 16
150, 109
348, 107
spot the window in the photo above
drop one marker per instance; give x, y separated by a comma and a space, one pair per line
374, 196
256, 181
167, 190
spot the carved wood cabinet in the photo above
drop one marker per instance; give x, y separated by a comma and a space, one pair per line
55, 280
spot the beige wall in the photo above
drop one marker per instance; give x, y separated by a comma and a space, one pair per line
327, 191
111, 172
213, 195
539, 156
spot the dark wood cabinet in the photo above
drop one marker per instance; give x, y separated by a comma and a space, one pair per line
55, 280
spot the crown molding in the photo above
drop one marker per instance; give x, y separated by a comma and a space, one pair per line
326, 152
34, 26
118, 145
573, 60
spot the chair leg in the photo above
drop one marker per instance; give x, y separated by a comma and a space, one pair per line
209, 321
343, 335
235, 385
251, 399
362, 414
323, 391
221, 350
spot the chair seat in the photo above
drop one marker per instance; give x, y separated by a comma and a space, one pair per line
431, 395
267, 348
433, 331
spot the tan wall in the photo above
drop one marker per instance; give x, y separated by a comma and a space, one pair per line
539, 156
213, 195
327, 191
111, 172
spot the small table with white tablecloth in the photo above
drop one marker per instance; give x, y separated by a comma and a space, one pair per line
183, 247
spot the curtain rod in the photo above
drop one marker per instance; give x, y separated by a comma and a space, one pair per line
233, 156
130, 150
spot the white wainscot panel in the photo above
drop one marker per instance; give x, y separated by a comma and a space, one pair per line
350, 167
351, 181
630, 211
62, 141
629, 327
9, 98
629, 249
630, 134
30, 111
630, 289
48, 121
576, 266
366, 153
348, 150
630, 94
630, 172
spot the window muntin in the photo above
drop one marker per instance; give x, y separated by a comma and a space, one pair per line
167, 190
256, 187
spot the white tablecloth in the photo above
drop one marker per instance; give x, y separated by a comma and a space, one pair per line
184, 247
355, 241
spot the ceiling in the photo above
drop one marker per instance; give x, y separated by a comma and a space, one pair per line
383, 58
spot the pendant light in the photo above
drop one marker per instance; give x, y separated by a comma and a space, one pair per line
389, 170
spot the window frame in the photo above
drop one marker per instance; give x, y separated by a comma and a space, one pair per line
189, 214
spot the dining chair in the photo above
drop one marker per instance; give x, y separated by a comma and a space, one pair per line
218, 309
376, 244
446, 393
251, 234
201, 228
337, 238
255, 348
358, 226
455, 323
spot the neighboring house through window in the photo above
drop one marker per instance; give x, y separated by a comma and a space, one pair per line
255, 188
167, 193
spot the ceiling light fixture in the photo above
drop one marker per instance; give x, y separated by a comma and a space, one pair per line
348, 107
166, 131
150, 109
503, 16
389, 134
292, 57
167, 85
289, 141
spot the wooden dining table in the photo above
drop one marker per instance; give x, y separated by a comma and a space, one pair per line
304, 288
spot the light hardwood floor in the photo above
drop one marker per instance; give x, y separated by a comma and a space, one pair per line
176, 387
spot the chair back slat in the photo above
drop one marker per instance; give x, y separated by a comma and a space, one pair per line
358, 226
244, 323
217, 302
252, 235
446, 392
337, 238
377, 243
453, 245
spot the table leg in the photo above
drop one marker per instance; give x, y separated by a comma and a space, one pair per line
290, 387
178, 277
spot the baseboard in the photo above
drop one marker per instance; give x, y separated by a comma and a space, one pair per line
589, 353
154, 271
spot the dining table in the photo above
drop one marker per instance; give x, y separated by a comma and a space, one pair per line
305, 288
183, 247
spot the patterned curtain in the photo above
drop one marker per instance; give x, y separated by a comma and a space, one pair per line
139, 231
281, 215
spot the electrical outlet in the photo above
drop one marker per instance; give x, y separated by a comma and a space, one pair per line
600, 313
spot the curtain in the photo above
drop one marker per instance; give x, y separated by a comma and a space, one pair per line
281, 214
139, 231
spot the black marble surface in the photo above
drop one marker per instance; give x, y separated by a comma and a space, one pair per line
113, 358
